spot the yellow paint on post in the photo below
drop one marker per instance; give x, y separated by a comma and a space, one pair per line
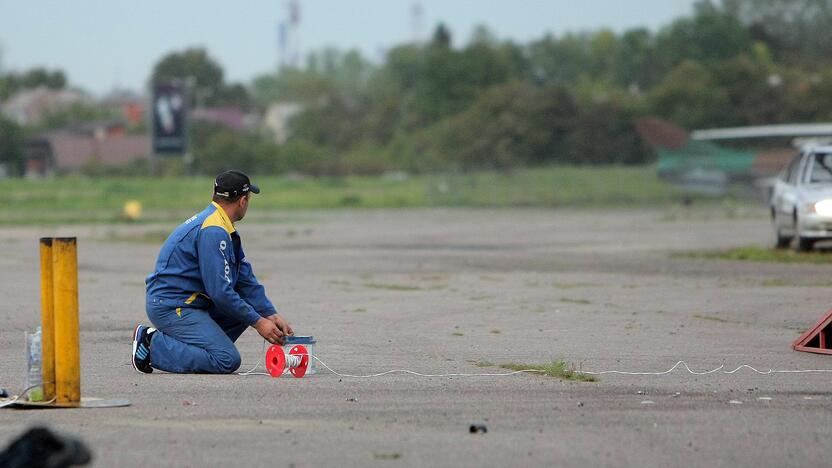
47, 319
67, 347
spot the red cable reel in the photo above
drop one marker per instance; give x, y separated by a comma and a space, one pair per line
276, 361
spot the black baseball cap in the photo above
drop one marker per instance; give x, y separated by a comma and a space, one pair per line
231, 184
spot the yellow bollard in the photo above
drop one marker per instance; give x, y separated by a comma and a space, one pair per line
60, 340
47, 319
67, 348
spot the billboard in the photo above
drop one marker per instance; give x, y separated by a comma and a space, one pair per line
170, 109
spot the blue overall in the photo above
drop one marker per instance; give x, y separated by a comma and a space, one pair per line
202, 296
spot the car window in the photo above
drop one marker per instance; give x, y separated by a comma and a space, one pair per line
784, 176
820, 171
791, 170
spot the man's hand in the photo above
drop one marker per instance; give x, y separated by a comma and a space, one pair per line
269, 331
282, 324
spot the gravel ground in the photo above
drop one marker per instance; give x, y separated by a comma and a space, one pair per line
437, 291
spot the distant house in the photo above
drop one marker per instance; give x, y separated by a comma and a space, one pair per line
66, 151
231, 117
30, 106
130, 105
277, 118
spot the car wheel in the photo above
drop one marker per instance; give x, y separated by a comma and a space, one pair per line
780, 241
800, 243
804, 244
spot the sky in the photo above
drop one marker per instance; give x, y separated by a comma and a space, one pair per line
104, 44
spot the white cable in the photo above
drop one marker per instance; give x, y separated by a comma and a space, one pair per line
395, 371
772, 371
12, 401
405, 371
296, 362
251, 371
716, 370
505, 374
17, 398
680, 363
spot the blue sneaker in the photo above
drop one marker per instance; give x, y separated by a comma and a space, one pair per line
141, 349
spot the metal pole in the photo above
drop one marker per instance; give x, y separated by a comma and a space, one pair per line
67, 347
47, 319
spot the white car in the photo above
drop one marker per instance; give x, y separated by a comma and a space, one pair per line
801, 202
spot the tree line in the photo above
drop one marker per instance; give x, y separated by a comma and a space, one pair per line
571, 99
447, 104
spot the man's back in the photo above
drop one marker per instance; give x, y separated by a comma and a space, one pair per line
177, 275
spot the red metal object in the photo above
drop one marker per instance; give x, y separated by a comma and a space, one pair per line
275, 360
818, 338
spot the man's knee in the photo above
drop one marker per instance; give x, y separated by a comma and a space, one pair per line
227, 361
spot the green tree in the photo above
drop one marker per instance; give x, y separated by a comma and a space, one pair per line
291, 84
196, 68
791, 27
203, 76
707, 37
11, 83
225, 149
604, 134
634, 62
753, 97
449, 80
690, 95
37, 77
560, 61
337, 123
441, 37
508, 125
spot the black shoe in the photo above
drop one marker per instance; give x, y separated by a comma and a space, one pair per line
141, 349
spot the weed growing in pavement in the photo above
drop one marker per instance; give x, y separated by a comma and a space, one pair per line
559, 369
760, 254
714, 318
575, 301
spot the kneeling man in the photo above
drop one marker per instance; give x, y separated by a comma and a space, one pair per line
203, 293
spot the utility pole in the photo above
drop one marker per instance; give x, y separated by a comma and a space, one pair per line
417, 12
288, 35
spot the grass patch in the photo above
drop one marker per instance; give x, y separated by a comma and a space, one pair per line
458, 334
760, 254
780, 282
557, 369
575, 301
726, 208
712, 318
73, 200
